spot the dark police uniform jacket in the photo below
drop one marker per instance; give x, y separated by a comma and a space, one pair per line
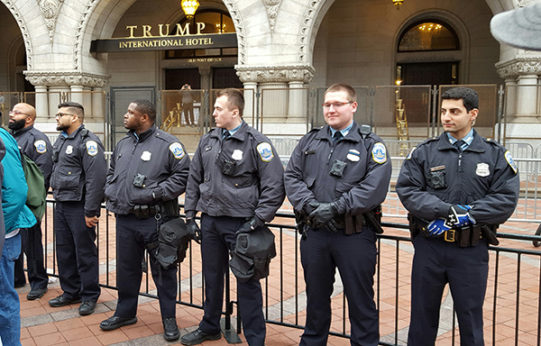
252, 185
436, 175
360, 187
36, 145
155, 155
79, 170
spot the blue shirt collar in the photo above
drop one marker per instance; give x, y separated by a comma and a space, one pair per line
233, 131
467, 139
344, 131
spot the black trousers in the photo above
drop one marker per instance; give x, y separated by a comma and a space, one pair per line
132, 235
32, 247
76, 252
218, 238
435, 264
355, 257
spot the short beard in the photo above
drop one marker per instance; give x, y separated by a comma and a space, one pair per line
16, 125
62, 127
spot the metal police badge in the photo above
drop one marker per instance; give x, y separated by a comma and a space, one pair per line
483, 169
510, 161
69, 149
379, 153
265, 151
91, 148
41, 147
353, 155
237, 155
146, 155
177, 150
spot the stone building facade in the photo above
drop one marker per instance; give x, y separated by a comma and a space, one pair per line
287, 46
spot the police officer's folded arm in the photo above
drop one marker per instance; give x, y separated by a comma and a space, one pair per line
195, 177
94, 166
501, 200
370, 191
297, 190
412, 191
175, 184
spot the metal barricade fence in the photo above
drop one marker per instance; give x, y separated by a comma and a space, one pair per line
512, 305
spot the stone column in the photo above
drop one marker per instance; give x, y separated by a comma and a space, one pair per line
250, 99
510, 96
297, 99
527, 95
98, 107
281, 99
77, 95
42, 103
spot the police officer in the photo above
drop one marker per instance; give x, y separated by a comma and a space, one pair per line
148, 172
37, 147
457, 188
336, 178
236, 181
77, 180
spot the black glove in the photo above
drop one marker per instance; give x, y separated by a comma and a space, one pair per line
250, 225
194, 230
323, 213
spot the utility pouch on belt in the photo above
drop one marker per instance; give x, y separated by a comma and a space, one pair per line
252, 254
489, 232
414, 226
173, 240
353, 224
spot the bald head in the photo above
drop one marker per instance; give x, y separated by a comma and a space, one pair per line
22, 115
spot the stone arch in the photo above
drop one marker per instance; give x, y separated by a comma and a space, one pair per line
447, 17
314, 14
19, 18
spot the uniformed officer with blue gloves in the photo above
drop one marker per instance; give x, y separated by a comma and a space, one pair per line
147, 173
236, 181
77, 180
336, 179
457, 188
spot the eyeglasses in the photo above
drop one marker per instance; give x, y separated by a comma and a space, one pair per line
335, 105
60, 115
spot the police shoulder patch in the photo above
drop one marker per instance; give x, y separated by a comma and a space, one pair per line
41, 147
91, 148
177, 150
265, 151
379, 153
511, 162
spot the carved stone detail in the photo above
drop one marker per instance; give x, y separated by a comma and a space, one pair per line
519, 66
50, 10
307, 23
283, 74
66, 79
234, 12
79, 34
272, 7
24, 31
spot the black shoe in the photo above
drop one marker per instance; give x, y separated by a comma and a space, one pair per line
86, 308
198, 336
36, 293
170, 329
63, 300
116, 322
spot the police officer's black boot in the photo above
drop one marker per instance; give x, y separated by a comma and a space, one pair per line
170, 329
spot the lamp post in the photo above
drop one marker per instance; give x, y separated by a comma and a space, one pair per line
190, 7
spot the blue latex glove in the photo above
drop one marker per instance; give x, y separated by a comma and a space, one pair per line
459, 215
437, 227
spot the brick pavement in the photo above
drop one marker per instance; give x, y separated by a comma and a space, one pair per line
43, 325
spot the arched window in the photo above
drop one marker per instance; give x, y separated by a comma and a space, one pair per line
428, 35
215, 23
